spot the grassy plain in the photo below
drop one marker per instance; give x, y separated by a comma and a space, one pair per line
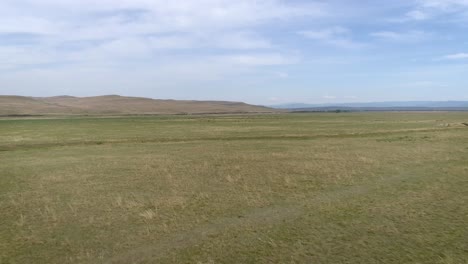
290, 188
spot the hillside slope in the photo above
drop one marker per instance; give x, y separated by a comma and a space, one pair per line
116, 105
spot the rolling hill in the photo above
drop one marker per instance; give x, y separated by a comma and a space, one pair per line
117, 105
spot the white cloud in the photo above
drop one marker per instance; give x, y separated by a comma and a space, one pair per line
241, 40
282, 75
325, 34
423, 84
417, 15
25, 24
18, 57
112, 31
172, 42
429, 9
409, 36
335, 36
89, 18
457, 56
261, 59
447, 5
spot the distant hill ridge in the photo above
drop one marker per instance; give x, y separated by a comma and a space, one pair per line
379, 106
11, 105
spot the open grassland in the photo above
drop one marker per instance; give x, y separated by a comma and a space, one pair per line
292, 188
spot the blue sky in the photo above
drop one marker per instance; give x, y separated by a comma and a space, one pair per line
263, 51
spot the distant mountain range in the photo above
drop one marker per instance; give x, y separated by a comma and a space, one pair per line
379, 106
117, 105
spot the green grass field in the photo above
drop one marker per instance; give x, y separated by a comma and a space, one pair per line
290, 188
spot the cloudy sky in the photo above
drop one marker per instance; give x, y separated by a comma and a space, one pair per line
258, 51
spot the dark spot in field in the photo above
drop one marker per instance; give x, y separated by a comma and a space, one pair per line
466, 124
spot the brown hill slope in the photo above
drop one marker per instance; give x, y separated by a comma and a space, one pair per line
116, 105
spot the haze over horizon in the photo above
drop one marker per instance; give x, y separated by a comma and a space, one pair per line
262, 52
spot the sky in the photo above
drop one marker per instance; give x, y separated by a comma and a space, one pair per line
258, 51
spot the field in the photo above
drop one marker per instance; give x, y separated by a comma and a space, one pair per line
278, 188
